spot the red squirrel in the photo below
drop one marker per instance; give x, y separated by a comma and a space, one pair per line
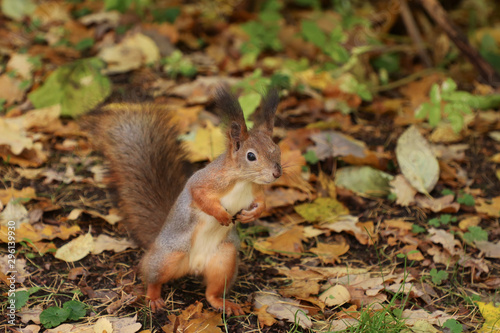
186, 225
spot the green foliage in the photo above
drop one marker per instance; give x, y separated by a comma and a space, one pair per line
490, 51
352, 85
54, 316
311, 157
453, 325
438, 276
255, 82
18, 9
249, 103
177, 64
475, 233
450, 105
262, 33
447, 191
166, 14
123, 5
21, 298
387, 61
329, 44
84, 44
415, 228
78, 86
466, 199
442, 220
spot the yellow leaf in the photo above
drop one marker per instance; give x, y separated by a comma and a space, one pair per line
6, 195
77, 249
322, 209
330, 253
489, 207
491, 315
208, 143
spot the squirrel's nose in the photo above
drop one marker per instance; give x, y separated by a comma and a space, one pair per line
277, 171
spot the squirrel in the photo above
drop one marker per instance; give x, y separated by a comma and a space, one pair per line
186, 225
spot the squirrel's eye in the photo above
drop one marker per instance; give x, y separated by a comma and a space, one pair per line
251, 156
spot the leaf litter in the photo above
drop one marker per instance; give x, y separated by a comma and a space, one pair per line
348, 225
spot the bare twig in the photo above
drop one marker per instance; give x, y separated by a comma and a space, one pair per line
414, 32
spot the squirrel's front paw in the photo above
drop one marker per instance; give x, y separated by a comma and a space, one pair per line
224, 218
246, 216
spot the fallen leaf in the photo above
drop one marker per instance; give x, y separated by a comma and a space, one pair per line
333, 144
8, 194
444, 204
103, 325
14, 211
330, 253
489, 207
364, 232
282, 308
405, 193
134, 51
264, 317
30, 314
447, 240
280, 196
417, 161
106, 243
437, 318
335, 296
76, 249
321, 209
288, 243
194, 319
470, 221
18, 9
490, 249
206, 144
491, 315
364, 180
19, 268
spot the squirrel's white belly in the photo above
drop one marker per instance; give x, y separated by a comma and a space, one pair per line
211, 233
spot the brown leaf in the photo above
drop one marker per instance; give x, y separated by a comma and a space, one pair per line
194, 319
25, 193
288, 243
264, 317
363, 231
330, 253
405, 193
488, 207
441, 205
490, 249
447, 240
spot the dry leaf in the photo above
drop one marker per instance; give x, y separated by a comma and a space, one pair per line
206, 144
490, 249
335, 296
364, 232
25, 193
330, 253
322, 209
405, 193
440, 205
447, 240
264, 317
282, 308
488, 207
417, 161
288, 243
107, 243
77, 249
193, 320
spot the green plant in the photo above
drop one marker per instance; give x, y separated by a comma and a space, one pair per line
262, 33
453, 325
415, 228
466, 199
438, 276
475, 233
442, 220
329, 44
54, 316
177, 64
449, 105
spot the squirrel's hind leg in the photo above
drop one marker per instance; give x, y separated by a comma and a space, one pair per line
220, 273
158, 271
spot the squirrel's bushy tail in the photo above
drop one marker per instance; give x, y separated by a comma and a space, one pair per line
147, 164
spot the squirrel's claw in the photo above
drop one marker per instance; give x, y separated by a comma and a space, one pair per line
156, 304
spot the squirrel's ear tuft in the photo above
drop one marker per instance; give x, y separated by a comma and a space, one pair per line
264, 118
232, 117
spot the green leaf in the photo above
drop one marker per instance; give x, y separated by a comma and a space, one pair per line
84, 44
435, 94
438, 276
466, 199
423, 111
78, 87
21, 297
119, 5
387, 61
416, 229
476, 233
448, 86
53, 316
312, 33
434, 115
18, 9
76, 310
447, 191
435, 222
166, 14
453, 325
311, 157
